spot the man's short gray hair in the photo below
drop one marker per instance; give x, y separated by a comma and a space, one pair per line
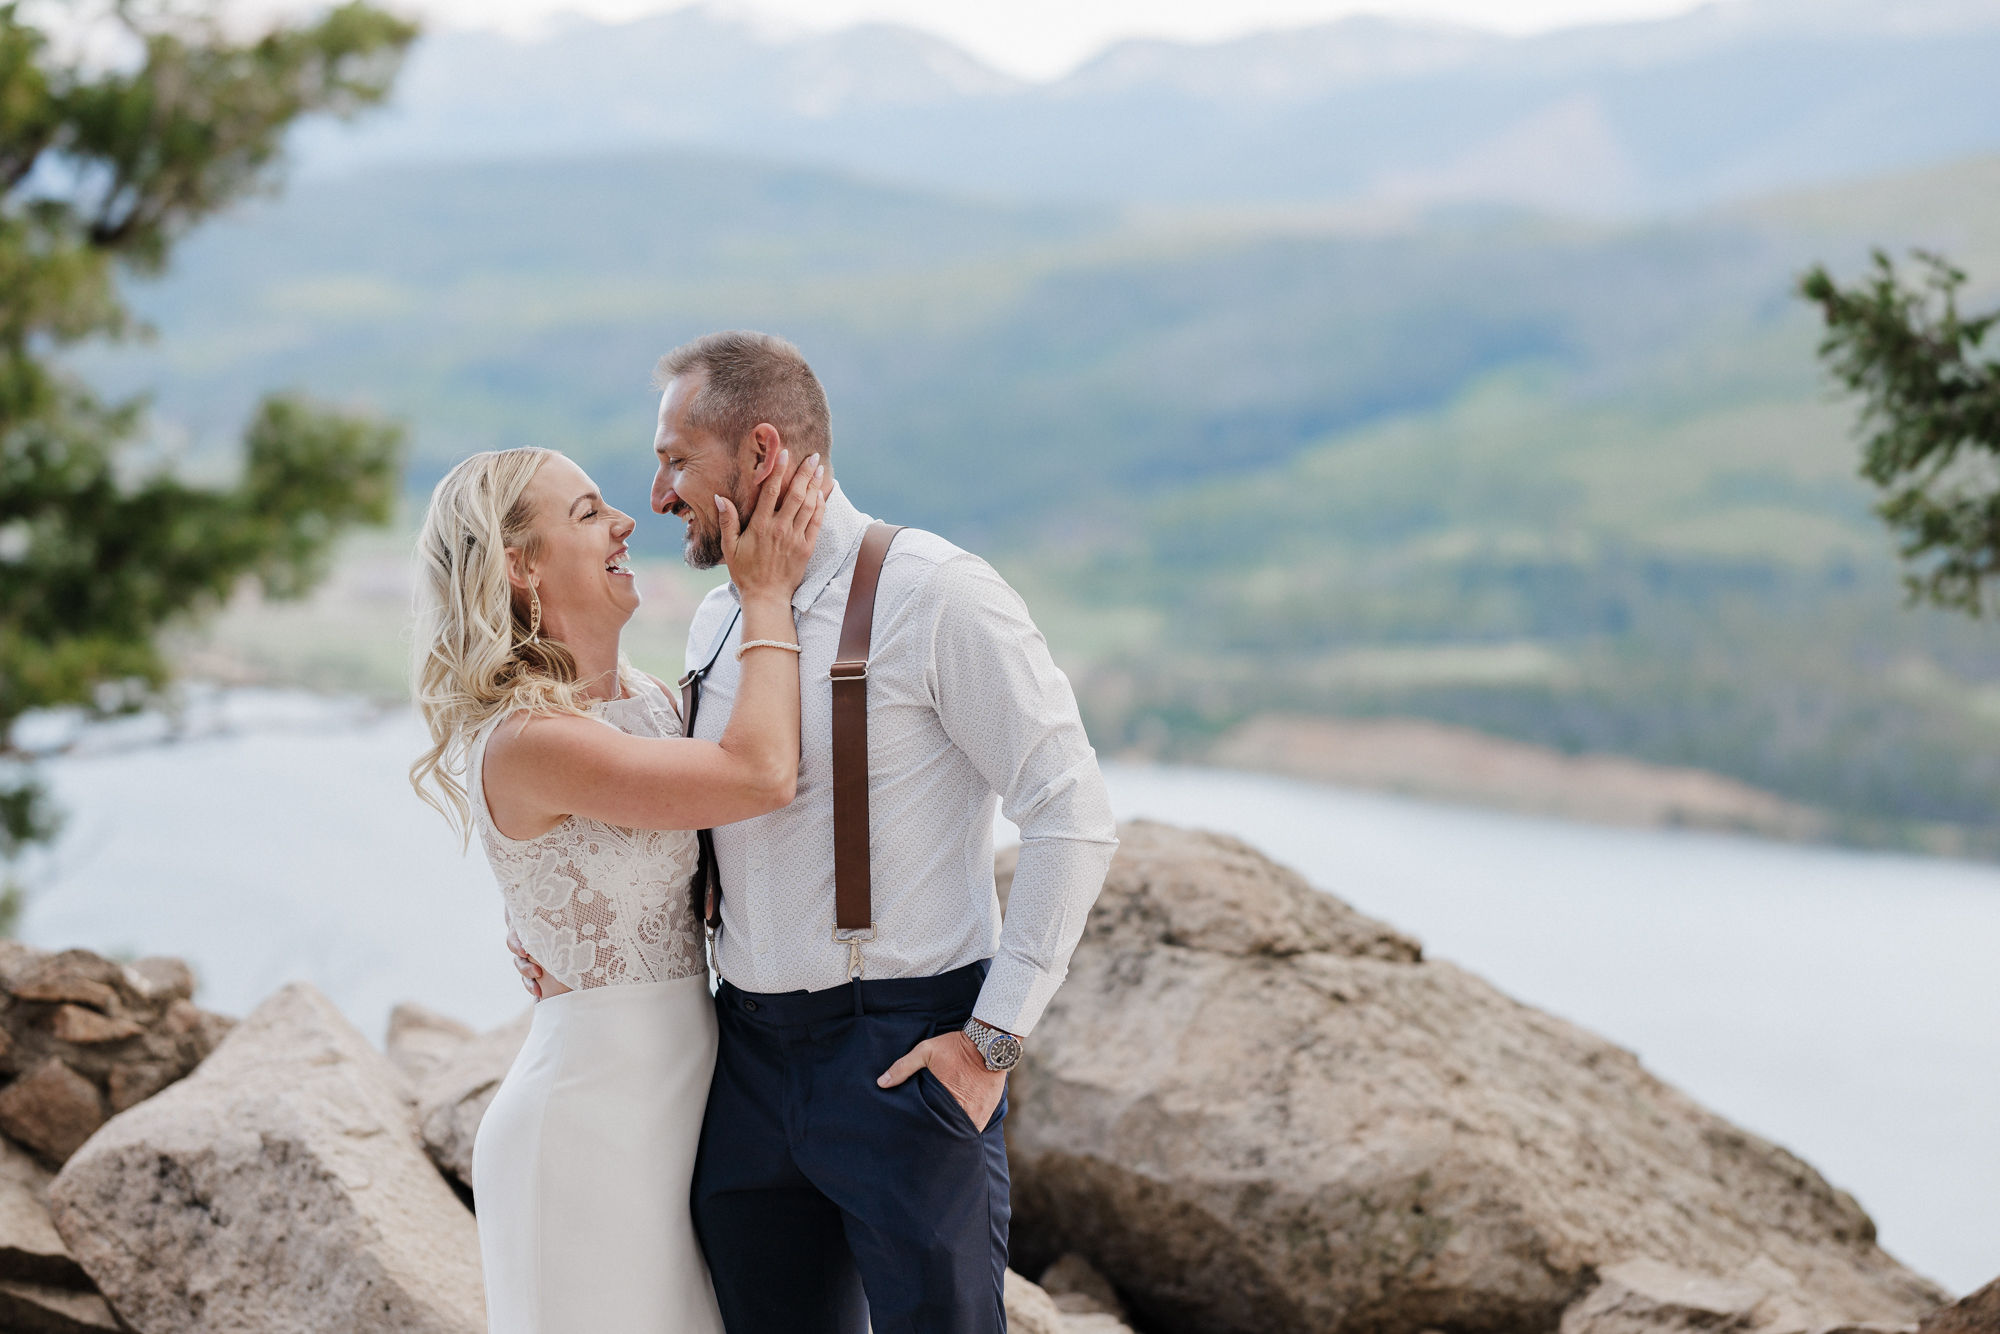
750, 378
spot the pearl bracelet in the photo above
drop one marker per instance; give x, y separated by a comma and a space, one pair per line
765, 643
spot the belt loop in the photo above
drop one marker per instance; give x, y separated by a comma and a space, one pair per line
855, 982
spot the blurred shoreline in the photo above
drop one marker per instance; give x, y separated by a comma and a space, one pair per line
348, 642
1414, 757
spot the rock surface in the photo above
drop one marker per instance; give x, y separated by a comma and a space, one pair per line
83, 1037
38, 1308
1257, 1110
421, 1041
1977, 1314
1093, 1322
31, 1250
1648, 1297
454, 1097
280, 1189
1086, 1299
1078, 1289
1029, 1310
52, 1109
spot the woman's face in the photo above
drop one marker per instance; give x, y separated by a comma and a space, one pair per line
582, 572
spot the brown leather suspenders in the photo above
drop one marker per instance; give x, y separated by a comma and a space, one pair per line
853, 915
852, 911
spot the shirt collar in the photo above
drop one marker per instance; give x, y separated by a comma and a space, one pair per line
840, 533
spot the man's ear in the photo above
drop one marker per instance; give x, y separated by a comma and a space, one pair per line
768, 443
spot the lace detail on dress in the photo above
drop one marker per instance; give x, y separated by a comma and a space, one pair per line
596, 904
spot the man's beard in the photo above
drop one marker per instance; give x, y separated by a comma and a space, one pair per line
704, 548
704, 545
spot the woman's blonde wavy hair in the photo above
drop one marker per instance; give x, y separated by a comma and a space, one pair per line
472, 658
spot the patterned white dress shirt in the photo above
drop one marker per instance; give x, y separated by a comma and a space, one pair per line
965, 709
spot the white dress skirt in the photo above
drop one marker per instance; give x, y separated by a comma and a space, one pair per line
582, 1164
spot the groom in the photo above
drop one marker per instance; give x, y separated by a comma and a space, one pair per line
852, 1167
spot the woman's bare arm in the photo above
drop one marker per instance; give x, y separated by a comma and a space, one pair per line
579, 766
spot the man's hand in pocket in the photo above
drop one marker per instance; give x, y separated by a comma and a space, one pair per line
958, 1066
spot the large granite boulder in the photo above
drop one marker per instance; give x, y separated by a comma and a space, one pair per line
83, 1037
1256, 1110
280, 1189
454, 1095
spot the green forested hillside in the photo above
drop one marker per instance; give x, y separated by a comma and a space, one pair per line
1671, 561
1697, 587
1582, 486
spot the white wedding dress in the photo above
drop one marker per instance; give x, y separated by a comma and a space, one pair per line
582, 1166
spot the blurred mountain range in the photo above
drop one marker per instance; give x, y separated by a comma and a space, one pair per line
1736, 99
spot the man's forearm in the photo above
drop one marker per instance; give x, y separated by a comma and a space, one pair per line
1055, 883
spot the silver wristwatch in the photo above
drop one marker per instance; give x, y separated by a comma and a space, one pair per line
1000, 1051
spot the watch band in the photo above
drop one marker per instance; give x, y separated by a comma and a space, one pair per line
1000, 1050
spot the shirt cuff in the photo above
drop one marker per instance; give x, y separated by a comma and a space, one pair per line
1014, 996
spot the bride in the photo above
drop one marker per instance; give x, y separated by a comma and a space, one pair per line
574, 771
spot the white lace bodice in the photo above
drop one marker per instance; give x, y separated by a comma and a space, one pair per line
595, 904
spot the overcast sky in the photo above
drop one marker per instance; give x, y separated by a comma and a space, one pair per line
1043, 38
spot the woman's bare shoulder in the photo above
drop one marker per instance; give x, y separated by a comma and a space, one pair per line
528, 759
533, 737
673, 697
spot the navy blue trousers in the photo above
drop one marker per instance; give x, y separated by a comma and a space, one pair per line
824, 1202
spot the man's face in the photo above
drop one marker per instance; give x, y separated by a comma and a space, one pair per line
694, 467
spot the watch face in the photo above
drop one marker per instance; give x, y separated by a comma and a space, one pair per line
1003, 1051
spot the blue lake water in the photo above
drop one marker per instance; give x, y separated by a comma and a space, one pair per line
1840, 1003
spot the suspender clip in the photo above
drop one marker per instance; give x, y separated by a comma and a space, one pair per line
852, 936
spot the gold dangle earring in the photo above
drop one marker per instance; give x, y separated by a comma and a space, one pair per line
534, 615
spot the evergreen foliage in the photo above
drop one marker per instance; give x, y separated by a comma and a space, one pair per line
1931, 410
102, 169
